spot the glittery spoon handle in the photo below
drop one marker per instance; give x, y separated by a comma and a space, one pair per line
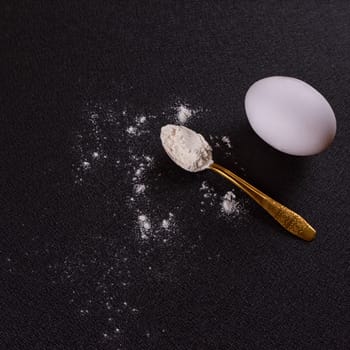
290, 220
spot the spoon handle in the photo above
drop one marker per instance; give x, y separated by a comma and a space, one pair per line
290, 220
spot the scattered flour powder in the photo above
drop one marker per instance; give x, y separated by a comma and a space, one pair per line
229, 204
154, 226
177, 140
183, 113
227, 141
165, 223
145, 226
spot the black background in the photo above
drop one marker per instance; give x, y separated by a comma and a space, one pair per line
244, 286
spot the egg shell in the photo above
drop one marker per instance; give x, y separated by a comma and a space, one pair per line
290, 115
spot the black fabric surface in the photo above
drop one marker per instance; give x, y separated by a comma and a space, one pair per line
66, 248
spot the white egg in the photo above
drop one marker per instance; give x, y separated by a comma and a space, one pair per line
290, 115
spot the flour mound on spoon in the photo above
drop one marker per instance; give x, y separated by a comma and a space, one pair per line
186, 148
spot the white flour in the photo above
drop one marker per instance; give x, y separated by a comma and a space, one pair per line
131, 130
86, 165
186, 148
138, 128
229, 204
227, 141
139, 188
165, 223
209, 196
145, 226
190, 151
183, 114
157, 243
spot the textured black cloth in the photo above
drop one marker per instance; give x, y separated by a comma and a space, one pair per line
73, 273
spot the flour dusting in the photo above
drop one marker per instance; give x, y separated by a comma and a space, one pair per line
145, 226
227, 141
229, 204
183, 114
139, 127
165, 223
140, 188
119, 164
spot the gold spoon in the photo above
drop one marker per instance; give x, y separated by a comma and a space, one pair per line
190, 151
290, 220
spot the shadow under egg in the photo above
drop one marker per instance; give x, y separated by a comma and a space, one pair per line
265, 167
